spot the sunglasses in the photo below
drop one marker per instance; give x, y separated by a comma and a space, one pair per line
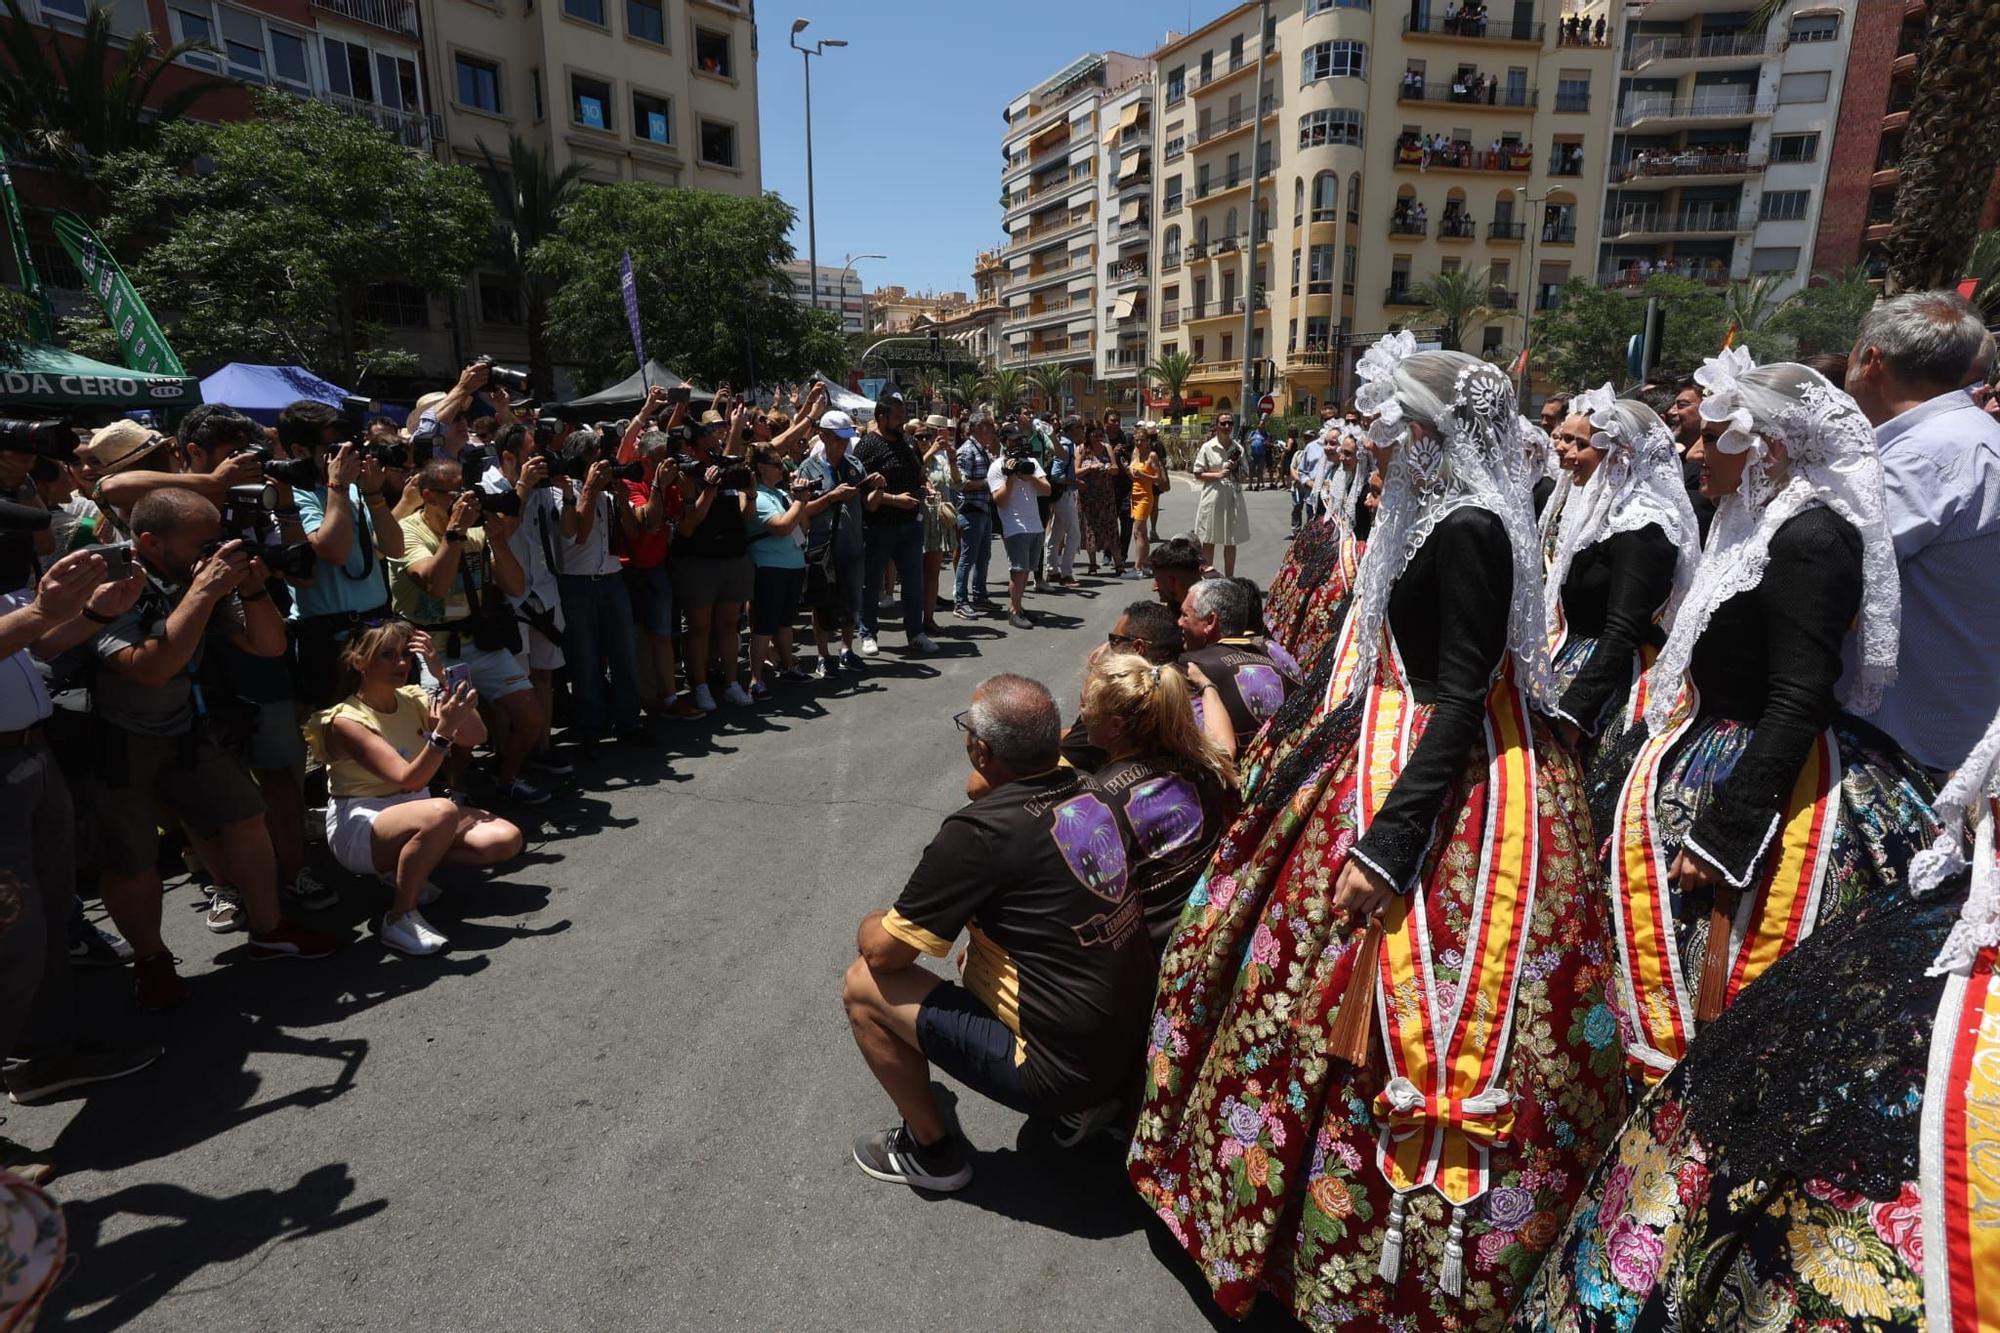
1124, 641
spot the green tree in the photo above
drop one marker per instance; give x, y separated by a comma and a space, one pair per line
529, 196
1826, 315
713, 301
72, 103
965, 389
1582, 341
1697, 322
1753, 308
267, 235
1051, 382
1005, 389
1984, 269
1949, 147
1171, 371
1457, 302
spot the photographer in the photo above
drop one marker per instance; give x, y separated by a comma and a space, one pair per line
713, 576
438, 423
777, 549
1016, 483
836, 554
159, 743
548, 514
975, 517
894, 527
1221, 518
165, 463
21, 550
597, 612
441, 585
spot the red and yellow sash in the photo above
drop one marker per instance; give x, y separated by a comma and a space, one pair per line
1769, 923
1959, 1179
1443, 1108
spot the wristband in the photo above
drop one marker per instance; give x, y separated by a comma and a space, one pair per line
96, 619
454, 534
256, 596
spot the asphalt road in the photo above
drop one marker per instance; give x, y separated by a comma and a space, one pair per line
625, 1098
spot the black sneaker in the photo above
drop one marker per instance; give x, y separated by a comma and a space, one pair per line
44, 1078
96, 947
553, 764
892, 1155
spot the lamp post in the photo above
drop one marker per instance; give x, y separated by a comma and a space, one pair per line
846, 269
812, 222
1527, 303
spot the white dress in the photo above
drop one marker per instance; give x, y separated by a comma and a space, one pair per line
1221, 519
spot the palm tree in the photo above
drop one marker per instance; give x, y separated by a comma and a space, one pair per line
71, 103
1171, 372
1752, 305
1052, 382
528, 200
965, 390
1984, 268
1456, 302
930, 387
1005, 388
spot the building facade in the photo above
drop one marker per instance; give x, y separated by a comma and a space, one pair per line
1055, 194
839, 289
1125, 240
1393, 145
1719, 159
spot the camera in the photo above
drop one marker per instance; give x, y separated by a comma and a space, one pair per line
395, 455
1017, 461
246, 515
50, 439
354, 409
300, 472
19, 518
736, 474
514, 381
632, 471
507, 502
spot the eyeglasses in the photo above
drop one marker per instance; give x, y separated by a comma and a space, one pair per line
1127, 641
962, 721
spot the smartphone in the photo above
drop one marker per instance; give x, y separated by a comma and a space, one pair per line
117, 560
455, 675
680, 393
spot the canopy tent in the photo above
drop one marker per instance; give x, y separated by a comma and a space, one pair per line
631, 391
37, 375
843, 399
261, 392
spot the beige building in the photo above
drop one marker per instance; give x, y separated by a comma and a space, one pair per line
895, 310
1396, 145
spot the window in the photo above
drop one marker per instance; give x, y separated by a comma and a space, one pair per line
1349, 259
398, 304
1207, 68
711, 54
1334, 60
1326, 196
1804, 86
1783, 205
1815, 27
349, 72
243, 45
652, 119
290, 66
1354, 197
478, 83
1319, 271
535, 82
192, 25
1176, 85
1774, 259
1322, 6
499, 301
590, 102
1489, 341
1795, 147
718, 143
1170, 247
1573, 93
1336, 126
1236, 51
646, 20
1298, 200
590, 11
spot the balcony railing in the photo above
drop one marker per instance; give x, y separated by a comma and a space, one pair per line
1497, 230
1217, 185
1046, 229
1731, 46
1660, 162
410, 128
392, 15
1407, 226
1634, 272
1197, 249
1401, 294
1491, 95
1656, 222
1457, 229
1703, 106
1170, 205
1124, 269
1573, 101
1501, 299
1475, 30
1170, 263
1139, 226
1558, 233
1120, 358
1462, 156
1563, 162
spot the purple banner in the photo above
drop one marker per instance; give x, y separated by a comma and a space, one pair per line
629, 285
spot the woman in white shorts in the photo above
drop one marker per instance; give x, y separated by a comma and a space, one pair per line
383, 744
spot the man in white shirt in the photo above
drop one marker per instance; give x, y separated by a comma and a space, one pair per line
548, 518
597, 613
1015, 481
1941, 476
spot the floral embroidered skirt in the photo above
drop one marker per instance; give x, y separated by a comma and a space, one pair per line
1257, 1149
1307, 602
1771, 1180
1567, 665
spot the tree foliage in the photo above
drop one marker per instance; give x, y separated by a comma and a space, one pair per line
1583, 341
1949, 147
1456, 302
1051, 382
267, 235
1171, 371
529, 196
1004, 388
713, 301
1826, 316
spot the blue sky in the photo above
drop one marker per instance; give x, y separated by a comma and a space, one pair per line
920, 87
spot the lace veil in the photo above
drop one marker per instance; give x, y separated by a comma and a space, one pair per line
1833, 462
1452, 423
1966, 804
1636, 483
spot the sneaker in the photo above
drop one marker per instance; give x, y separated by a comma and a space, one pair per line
525, 793
703, 700
427, 895
759, 690
1129, 574
892, 1155
225, 911
33, 1081
682, 706
828, 669
290, 941
923, 643
793, 673
309, 893
155, 984
965, 611
411, 934
849, 661
1069, 580
733, 694
552, 764
1072, 1127
98, 948
37, 1168
869, 648
1019, 621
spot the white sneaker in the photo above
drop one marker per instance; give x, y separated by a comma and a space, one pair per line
735, 695
923, 643
411, 934
225, 911
427, 895
870, 648
703, 699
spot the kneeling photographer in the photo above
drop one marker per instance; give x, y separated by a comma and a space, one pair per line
453, 582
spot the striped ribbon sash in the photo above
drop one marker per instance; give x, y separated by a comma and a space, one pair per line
1656, 996
1443, 1108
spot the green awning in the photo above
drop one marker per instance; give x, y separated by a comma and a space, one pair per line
36, 375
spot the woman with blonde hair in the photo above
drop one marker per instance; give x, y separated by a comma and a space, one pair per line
1173, 787
383, 744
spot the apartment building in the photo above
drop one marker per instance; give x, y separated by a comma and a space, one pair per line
1394, 145
1125, 240
1720, 150
839, 290
1065, 206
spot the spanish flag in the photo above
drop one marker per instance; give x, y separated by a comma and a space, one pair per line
1729, 338
1520, 364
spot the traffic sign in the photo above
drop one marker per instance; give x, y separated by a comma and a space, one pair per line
1267, 404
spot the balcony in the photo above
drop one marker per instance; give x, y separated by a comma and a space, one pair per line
1497, 230
397, 16
410, 128
1573, 102
1888, 178
1035, 277
1038, 235
1459, 228
1234, 69
1043, 196
1170, 205
1644, 108
1311, 358
1408, 226
1632, 274
1175, 150
1125, 358
1491, 97
1047, 355
1731, 46
1478, 30
1139, 226
1171, 263
1126, 271
1667, 165
1499, 298
1652, 222
1460, 155
1401, 295
1231, 370
1223, 127
1170, 318
1218, 186
1197, 249
1566, 160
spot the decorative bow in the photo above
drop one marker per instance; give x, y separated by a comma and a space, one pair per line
1404, 1109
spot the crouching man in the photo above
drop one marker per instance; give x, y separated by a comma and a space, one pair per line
1057, 980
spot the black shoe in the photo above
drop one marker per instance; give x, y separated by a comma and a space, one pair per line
98, 948
553, 764
892, 1155
43, 1078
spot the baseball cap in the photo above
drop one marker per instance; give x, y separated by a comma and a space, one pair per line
838, 422
122, 444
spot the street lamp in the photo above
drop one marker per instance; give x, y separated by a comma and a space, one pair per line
846, 269
1527, 303
812, 223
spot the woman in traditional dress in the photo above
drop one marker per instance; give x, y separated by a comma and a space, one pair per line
1626, 555
1309, 596
1221, 518
1826, 1156
1096, 476
1750, 808
1415, 1182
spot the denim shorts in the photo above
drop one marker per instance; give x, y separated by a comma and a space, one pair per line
1024, 551
967, 1040
652, 592
494, 674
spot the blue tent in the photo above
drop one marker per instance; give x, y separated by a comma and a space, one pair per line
261, 392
